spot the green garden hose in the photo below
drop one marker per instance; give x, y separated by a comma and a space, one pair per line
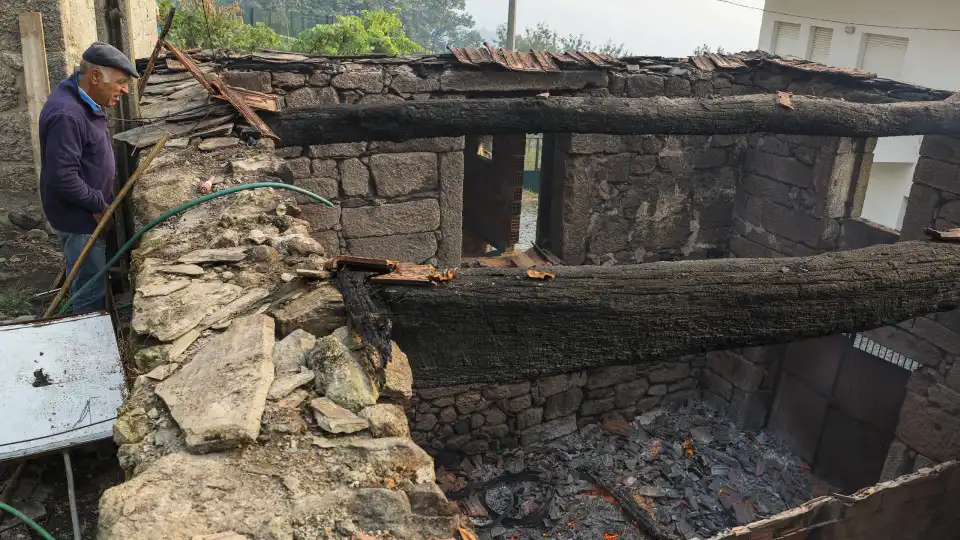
31, 523
169, 214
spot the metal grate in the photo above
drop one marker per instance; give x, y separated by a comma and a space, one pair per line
871, 347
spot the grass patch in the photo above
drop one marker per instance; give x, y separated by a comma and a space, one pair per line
15, 304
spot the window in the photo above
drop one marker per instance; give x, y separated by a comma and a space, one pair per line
786, 39
883, 55
820, 39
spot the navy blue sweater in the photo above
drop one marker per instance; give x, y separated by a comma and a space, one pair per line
78, 168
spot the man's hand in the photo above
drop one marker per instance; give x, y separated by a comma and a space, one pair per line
106, 228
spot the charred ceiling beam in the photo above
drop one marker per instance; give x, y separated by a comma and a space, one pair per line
766, 113
496, 325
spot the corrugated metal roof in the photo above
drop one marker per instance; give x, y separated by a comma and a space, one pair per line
533, 61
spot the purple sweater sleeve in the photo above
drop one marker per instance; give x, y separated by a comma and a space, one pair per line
64, 147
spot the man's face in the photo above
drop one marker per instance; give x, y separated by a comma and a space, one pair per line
107, 85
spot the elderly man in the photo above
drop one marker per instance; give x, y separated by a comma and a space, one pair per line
78, 169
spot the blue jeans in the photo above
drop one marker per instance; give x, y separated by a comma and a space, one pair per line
94, 297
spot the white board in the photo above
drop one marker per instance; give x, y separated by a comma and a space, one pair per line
80, 361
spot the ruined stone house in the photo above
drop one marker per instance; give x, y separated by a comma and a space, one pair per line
859, 408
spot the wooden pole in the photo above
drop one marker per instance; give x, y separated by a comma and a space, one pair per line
36, 78
55, 304
758, 113
142, 83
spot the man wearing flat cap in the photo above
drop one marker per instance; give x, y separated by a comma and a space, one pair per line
77, 164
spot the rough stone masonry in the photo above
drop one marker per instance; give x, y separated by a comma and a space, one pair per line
255, 413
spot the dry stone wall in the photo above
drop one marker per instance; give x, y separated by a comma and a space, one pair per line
474, 419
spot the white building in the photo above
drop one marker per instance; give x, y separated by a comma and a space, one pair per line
909, 41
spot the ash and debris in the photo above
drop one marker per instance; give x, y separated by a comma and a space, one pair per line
694, 473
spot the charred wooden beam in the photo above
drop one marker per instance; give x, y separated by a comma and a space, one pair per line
496, 324
615, 116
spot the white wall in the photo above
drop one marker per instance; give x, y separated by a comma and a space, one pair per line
929, 61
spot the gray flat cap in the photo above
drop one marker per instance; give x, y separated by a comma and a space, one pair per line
106, 55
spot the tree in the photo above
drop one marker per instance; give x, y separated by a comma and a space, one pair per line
433, 24
204, 24
372, 32
544, 38
706, 49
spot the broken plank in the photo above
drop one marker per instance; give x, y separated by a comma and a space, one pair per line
255, 100
226, 92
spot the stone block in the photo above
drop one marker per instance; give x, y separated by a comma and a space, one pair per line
549, 430
258, 81
288, 80
450, 250
411, 84
609, 376
768, 188
677, 87
402, 174
415, 248
311, 97
899, 461
471, 80
671, 373
560, 383
17, 144
716, 385
239, 359
870, 390
747, 249
563, 404
355, 178
645, 85
504, 391
337, 150
657, 390
851, 453
938, 175
468, 402
709, 158
783, 169
856, 233
749, 410
333, 418
798, 415
941, 148
421, 215
380, 99
922, 207
737, 370
516, 404
907, 344
436, 145
297, 168
628, 393
319, 311
816, 361
368, 82
597, 406
934, 333
529, 417
494, 417
320, 216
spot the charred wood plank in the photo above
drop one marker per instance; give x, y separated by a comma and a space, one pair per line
629, 506
498, 325
614, 116
365, 316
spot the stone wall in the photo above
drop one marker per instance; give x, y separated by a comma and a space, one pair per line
473, 419
916, 506
739, 383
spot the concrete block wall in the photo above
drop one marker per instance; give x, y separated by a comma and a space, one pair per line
472, 419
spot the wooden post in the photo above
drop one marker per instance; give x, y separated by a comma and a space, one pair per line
36, 78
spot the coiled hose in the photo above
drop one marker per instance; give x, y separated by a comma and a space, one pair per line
172, 212
31, 523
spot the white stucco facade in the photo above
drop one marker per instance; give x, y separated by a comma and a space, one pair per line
857, 34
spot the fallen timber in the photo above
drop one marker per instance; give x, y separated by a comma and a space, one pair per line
498, 325
759, 113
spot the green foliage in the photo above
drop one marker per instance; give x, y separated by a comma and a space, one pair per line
205, 24
705, 49
377, 31
14, 303
544, 38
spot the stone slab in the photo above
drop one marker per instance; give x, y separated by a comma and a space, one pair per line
290, 353
218, 397
402, 174
202, 256
284, 385
319, 311
333, 418
169, 317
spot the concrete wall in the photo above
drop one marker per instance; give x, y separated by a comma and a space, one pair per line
926, 51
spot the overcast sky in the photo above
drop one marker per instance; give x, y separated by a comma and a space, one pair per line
647, 27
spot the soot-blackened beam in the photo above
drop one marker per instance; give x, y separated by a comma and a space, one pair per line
491, 325
615, 116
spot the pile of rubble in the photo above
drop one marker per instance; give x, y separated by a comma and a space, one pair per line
255, 412
681, 473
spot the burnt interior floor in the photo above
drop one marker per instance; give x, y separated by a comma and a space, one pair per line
694, 473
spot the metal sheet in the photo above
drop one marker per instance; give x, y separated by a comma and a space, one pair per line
74, 399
